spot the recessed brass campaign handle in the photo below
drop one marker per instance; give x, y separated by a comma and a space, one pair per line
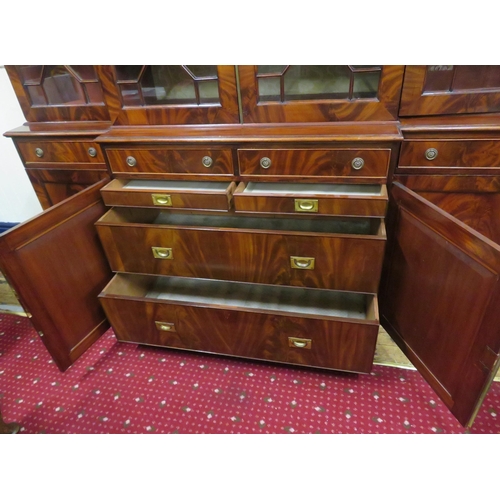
162, 253
299, 342
164, 200
165, 327
302, 262
303, 205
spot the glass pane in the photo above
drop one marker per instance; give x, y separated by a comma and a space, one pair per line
269, 70
365, 85
476, 77
167, 85
61, 87
209, 91
438, 78
30, 75
269, 89
127, 73
94, 92
130, 94
204, 71
36, 95
317, 82
85, 73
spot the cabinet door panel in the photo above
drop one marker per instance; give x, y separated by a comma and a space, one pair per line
439, 300
319, 93
56, 265
448, 90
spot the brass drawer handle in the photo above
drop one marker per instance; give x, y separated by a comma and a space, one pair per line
165, 327
164, 200
92, 152
131, 161
39, 152
207, 161
431, 154
357, 163
302, 205
299, 342
302, 262
265, 162
162, 253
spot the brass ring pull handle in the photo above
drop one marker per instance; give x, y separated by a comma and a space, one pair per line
431, 154
303, 205
39, 152
162, 253
357, 163
299, 342
131, 161
92, 152
302, 262
207, 161
265, 162
164, 200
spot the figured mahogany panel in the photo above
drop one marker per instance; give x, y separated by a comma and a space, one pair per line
316, 108
171, 163
311, 163
339, 344
54, 186
342, 262
447, 90
56, 265
54, 151
439, 299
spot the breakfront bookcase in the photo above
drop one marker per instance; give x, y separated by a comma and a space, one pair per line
279, 213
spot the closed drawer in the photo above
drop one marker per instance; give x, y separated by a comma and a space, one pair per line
316, 253
43, 151
167, 162
187, 195
312, 163
318, 328
320, 199
449, 156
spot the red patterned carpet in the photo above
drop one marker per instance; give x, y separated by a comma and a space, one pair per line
124, 388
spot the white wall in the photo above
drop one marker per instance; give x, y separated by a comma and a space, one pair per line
18, 201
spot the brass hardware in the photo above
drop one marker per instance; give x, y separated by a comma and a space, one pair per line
40, 333
431, 154
39, 152
162, 253
302, 262
265, 162
303, 205
131, 161
299, 342
357, 163
164, 200
165, 327
92, 152
207, 161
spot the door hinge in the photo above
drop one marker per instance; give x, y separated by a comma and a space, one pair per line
488, 360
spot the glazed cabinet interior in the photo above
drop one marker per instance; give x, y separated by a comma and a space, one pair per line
278, 213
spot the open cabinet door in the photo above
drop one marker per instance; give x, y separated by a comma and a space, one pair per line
57, 267
440, 300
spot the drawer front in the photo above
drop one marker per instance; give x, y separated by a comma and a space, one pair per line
337, 345
169, 195
311, 201
60, 152
312, 163
457, 155
171, 162
317, 261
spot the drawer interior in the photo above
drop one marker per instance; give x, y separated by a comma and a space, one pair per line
299, 189
181, 186
245, 296
334, 225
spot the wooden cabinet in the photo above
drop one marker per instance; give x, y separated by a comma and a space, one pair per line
268, 240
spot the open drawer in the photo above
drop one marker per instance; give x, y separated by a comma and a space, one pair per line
336, 253
322, 328
186, 195
367, 200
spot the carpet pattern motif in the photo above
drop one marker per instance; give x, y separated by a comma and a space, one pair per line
125, 388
